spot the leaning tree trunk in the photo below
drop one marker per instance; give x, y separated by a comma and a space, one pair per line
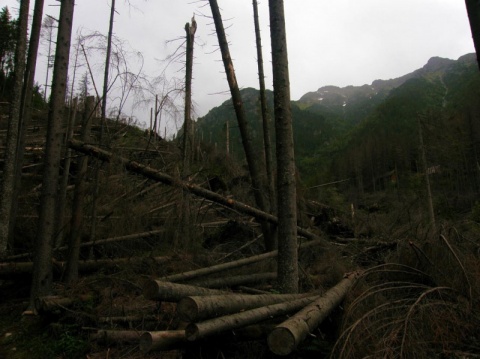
245, 131
473, 11
42, 269
26, 109
10, 163
287, 212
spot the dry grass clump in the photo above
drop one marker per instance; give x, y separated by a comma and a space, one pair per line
424, 306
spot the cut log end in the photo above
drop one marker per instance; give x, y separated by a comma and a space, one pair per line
162, 340
187, 309
191, 332
146, 342
281, 341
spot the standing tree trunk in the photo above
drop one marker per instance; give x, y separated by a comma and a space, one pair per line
42, 266
76, 223
287, 212
26, 109
185, 231
103, 118
250, 154
473, 11
8, 180
265, 113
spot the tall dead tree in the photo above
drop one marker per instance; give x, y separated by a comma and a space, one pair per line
42, 266
286, 187
473, 11
264, 111
190, 30
26, 109
245, 131
10, 163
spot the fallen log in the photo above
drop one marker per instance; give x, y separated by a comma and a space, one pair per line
233, 281
116, 336
12, 268
171, 292
127, 319
229, 265
162, 340
195, 331
156, 175
196, 308
288, 335
53, 302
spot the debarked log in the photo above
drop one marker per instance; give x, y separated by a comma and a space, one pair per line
196, 308
195, 331
161, 340
116, 336
230, 265
288, 335
172, 292
233, 281
156, 175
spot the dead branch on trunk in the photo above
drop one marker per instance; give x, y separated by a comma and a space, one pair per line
172, 292
288, 335
195, 308
195, 331
162, 340
156, 175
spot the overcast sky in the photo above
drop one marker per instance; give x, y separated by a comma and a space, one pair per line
340, 42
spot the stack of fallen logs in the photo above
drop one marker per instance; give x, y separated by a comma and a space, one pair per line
210, 312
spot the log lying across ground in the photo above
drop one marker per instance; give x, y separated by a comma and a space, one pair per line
288, 335
195, 308
116, 336
237, 280
195, 331
156, 175
172, 292
230, 265
53, 302
12, 268
162, 340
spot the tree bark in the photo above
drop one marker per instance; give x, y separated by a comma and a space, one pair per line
245, 131
286, 187
473, 11
42, 273
288, 335
116, 336
151, 173
232, 281
162, 340
172, 292
10, 163
26, 108
53, 302
76, 222
195, 331
195, 308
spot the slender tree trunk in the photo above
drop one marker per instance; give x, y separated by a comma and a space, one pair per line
8, 181
251, 156
473, 11
26, 112
185, 230
76, 223
287, 211
103, 119
431, 211
42, 269
265, 113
